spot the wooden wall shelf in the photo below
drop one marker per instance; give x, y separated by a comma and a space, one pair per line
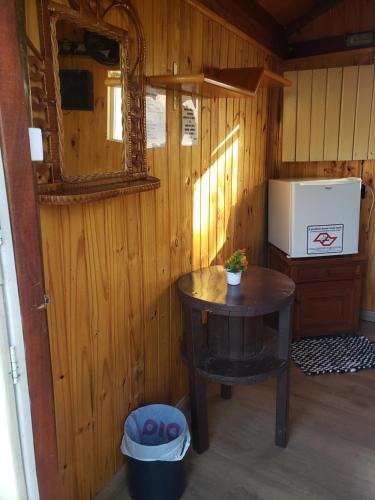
227, 83
73, 194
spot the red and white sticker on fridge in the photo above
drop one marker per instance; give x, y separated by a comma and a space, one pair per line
325, 239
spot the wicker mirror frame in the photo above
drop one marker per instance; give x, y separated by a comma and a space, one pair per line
91, 15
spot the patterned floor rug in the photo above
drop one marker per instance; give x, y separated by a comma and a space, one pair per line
333, 354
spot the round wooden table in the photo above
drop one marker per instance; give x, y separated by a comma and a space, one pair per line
224, 338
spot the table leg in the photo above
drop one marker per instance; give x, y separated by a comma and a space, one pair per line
198, 405
282, 391
226, 391
197, 384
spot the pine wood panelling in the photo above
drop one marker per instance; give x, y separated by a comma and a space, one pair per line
290, 117
185, 194
303, 115
261, 168
371, 142
204, 180
363, 112
332, 115
348, 107
175, 216
235, 45
158, 48
150, 267
228, 21
31, 18
219, 151
110, 266
287, 11
215, 35
240, 208
196, 150
330, 110
318, 112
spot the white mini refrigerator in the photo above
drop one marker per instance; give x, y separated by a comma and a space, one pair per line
314, 218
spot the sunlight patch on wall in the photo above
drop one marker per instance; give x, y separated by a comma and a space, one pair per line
211, 185
234, 172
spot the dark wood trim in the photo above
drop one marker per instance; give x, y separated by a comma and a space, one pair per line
346, 58
250, 18
193, 331
284, 339
84, 192
25, 229
320, 7
320, 46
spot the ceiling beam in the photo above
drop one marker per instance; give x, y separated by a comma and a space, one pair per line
320, 7
326, 45
249, 17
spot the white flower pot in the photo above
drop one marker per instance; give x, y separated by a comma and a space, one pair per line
233, 278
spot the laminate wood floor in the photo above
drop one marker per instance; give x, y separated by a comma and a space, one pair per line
331, 450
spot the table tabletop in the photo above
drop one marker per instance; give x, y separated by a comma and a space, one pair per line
261, 291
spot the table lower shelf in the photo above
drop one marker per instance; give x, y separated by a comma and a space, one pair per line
250, 371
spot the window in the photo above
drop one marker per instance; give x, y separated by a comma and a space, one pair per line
114, 106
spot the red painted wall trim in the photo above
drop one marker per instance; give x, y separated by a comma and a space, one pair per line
25, 230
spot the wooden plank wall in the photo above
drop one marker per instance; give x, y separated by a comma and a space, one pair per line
364, 169
110, 266
331, 114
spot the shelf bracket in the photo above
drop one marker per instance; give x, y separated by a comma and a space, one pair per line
175, 71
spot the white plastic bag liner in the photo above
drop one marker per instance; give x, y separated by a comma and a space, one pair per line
156, 432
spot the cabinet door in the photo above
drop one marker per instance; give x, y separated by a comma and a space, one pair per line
327, 307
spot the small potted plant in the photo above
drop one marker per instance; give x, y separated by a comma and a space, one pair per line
234, 266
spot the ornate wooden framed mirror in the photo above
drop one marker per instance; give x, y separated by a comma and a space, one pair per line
93, 136
86, 83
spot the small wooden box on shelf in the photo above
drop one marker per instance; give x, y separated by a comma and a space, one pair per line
328, 291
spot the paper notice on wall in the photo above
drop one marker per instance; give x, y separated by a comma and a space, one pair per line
155, 117
325, 239
189, 120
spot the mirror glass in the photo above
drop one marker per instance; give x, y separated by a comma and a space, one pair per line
91, 127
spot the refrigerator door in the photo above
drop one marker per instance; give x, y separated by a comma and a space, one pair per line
325, 217
279, 214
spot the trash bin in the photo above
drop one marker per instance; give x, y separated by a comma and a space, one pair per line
156, 439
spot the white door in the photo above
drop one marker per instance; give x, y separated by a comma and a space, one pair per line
18, 479
12, 479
